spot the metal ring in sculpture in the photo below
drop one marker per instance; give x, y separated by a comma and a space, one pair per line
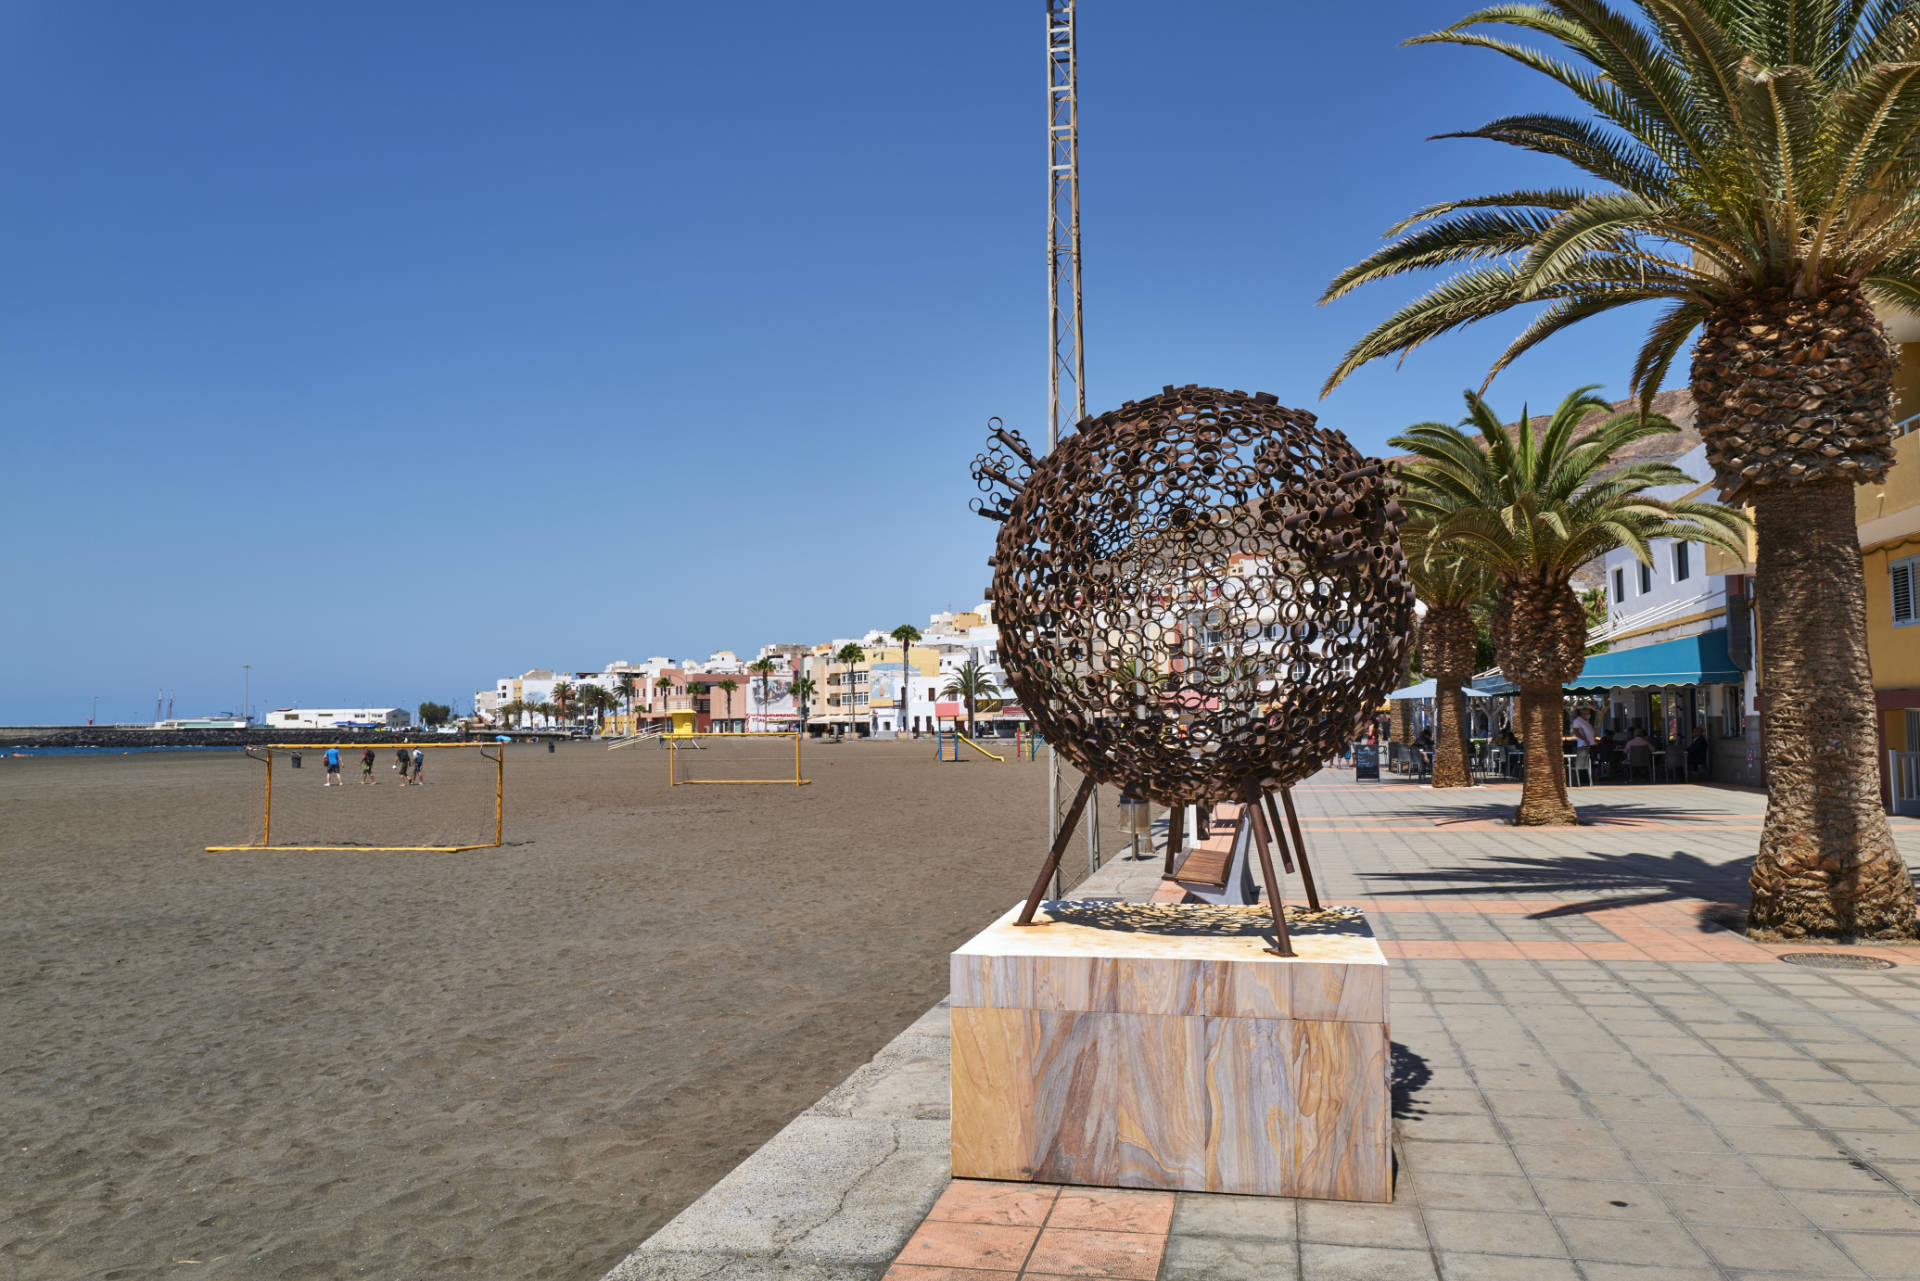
1197, 592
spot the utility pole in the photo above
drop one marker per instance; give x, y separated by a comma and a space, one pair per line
1066, 357
246, 692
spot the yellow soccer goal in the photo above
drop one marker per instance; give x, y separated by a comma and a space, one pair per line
384, 797
753, 757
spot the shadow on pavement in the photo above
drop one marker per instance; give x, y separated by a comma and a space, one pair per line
1610, 880
1410, 1072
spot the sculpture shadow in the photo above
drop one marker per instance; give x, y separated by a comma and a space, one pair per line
1410, 1073
1201, 920
1608, 880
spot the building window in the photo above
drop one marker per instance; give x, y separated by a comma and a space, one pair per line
1681, 569
1619, 586
1733, 723
1646, 578
1906, 588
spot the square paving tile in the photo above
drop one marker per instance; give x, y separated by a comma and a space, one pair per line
1859, 1211
1486, 1232
1626, 1241
1776, 1250
1722, 1169
1354, 1223
1256, 1218
1459, 1158
1474, 1192
1112, 1210
1888, 1255
1067, 1252
1359, 1263
969, 1245
1020, 1205
1602, 1199
1501, 1267
1227, 1259
1736, 1207
1578, 1163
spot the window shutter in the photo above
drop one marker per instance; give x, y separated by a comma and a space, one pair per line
1903, 586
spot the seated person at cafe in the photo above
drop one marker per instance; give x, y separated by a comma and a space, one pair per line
1424, 739
1639, 739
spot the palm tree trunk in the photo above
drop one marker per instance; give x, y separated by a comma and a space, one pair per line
1827, 865
1450, 753
1543, 797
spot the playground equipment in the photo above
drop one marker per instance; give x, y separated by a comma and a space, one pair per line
498, 755
644, 736
734, 758
947, 743
1026, 745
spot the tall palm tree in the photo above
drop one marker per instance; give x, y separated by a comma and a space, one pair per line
1532, 508
564, 696
850, 654
1451, 587
727, 687
906, 634
662, 686
803, 690
1757, 174
626, 685
762, 668
973, 684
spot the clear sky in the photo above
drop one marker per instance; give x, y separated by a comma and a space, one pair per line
393, 347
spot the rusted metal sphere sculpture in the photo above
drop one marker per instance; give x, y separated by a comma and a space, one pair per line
1198, 593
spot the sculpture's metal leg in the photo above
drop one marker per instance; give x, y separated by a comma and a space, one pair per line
1176, 832
1284, 944
1306, 872
1273, 825
1059, 847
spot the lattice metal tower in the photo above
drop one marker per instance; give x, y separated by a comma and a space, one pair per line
1066, 359
1066, 354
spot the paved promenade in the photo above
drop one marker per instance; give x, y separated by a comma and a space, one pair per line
1593, 1079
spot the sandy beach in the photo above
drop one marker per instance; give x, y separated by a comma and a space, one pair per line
512, 1062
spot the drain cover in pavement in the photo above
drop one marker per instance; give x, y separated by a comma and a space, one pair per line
1836, 961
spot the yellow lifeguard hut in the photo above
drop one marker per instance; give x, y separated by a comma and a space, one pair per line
683, 721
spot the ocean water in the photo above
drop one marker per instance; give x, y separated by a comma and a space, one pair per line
103, 751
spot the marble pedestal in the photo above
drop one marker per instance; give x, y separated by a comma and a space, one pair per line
1160, 1046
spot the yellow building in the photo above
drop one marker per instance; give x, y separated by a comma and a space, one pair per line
1889, 517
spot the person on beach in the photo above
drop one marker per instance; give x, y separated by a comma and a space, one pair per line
419, 764
333, 767
366, 768
401, 764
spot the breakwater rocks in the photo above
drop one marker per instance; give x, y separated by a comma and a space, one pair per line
133, 738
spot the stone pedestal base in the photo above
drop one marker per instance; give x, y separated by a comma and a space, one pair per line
1160, 1046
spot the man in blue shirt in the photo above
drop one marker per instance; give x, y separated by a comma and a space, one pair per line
333, 767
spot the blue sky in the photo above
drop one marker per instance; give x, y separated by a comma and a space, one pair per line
393, 347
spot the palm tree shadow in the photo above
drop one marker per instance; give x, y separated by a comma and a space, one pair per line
1592, 813
1410, 1073
1605, 881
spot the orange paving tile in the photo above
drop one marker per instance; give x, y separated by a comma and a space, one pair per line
1113, 1210
1019, 1205
908, 1272
989, 1246
1068, 1252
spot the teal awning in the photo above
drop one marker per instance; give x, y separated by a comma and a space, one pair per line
1691, 660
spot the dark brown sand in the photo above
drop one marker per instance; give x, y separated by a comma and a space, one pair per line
511, 1062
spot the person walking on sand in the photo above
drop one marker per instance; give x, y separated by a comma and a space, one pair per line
366, 768
400, 763
333, 767
419, 764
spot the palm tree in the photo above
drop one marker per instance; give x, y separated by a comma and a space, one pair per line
762, 668
626, 685
803, 691
850, 654
727, 687
1451, 587
1531, 509
906, 634
564, 697
510, 711
546, 711
973, 684
662, 686
1757, 174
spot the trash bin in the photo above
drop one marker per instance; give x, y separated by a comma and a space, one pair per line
549, 745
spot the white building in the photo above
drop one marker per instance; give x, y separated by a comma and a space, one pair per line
339, 718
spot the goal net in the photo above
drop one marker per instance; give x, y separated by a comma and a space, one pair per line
757, 757
436, 797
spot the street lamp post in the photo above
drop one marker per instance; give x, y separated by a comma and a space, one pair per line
246, 692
